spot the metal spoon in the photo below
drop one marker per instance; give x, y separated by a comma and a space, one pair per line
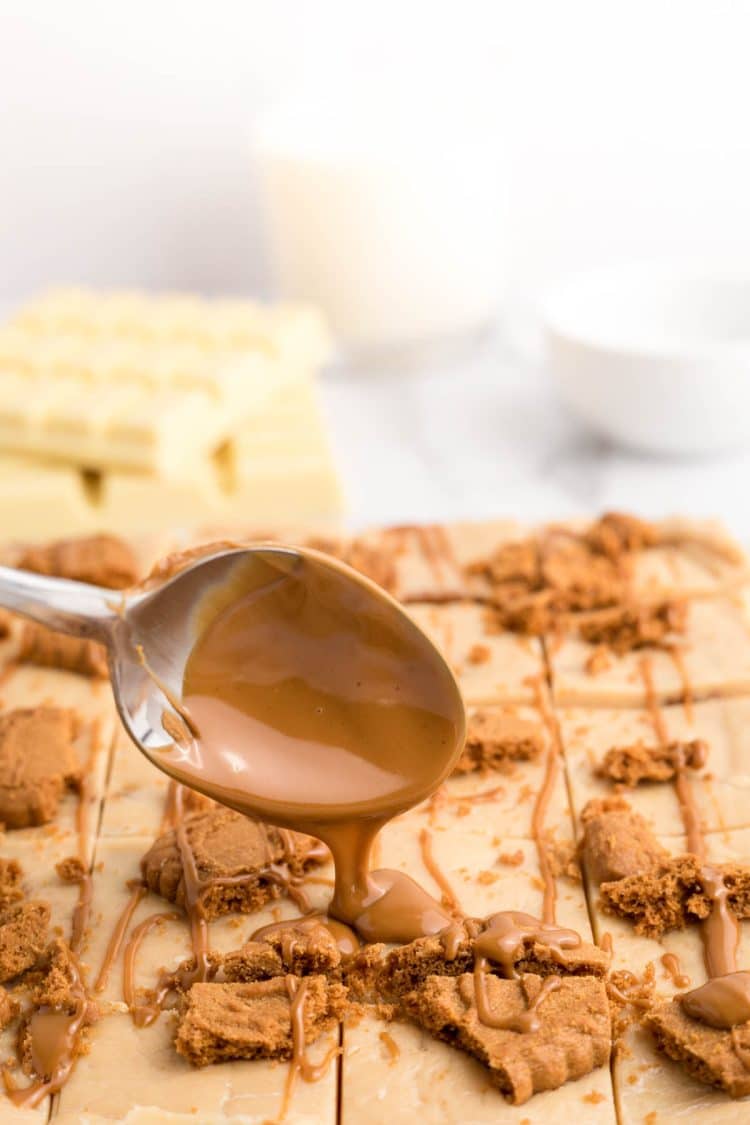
150, 630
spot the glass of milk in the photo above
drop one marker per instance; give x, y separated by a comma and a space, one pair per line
388, 212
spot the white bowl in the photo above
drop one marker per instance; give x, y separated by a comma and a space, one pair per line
655, 357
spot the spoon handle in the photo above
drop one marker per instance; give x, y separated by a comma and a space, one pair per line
68, 607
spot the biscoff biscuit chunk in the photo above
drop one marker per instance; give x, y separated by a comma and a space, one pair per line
38, 761
254, 1021
626, 628
240, 862
709, 656
304, 948
46, 649
573, 1037
9, 1008
617, 842
630, 765
616, 534
408, 966
11, 886
496, 737
707, 1053
101, 560
23, 936
672, 894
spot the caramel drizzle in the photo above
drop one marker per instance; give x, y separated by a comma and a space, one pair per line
173, 817
742, 1053
605, 943
169, 816
168, 694
720, 930
51, 1023
436, 549
634, 996
440, 798
428, 858
687, 688
48, 1023
671, 963
528, 1021
81, 911
391, 1046
345, 937
193, 906
112, 952
300, 1066
145, 1014
541, 804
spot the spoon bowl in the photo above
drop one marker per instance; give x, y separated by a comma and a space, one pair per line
151, 631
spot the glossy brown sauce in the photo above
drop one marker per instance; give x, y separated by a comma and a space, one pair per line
301, 1066
672, 968
54, 1037
724, 1000
320, 707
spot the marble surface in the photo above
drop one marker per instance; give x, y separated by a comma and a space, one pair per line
485, 434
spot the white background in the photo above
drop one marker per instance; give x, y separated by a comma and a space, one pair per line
125, 159
124, 126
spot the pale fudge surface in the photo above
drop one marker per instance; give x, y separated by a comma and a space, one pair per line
577, 682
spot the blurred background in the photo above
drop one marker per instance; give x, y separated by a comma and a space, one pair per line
438, 178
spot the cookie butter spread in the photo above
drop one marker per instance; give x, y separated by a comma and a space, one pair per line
316, 704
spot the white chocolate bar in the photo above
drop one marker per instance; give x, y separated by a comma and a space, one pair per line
148, 383
278, 470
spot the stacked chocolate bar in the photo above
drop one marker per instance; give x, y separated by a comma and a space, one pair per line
121, 411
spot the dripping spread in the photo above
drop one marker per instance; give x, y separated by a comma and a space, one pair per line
724, 1000
539, 816
54, 1034
301, 1066
671, 963
316, 704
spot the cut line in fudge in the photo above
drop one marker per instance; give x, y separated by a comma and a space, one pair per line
702, 1028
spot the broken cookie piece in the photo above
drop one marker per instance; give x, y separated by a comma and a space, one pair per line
519, 611
23, 936
254, 1021
624, 628
673, 894
38, 761
101, 560
616, 534
515, 563
11, 887
53, 1029
711, 1055
240, 863
617, 841
9, 1008
46, 649
497, 737
579, 579
571, 1039
377, 561
303, 948
630, 765
453, 953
